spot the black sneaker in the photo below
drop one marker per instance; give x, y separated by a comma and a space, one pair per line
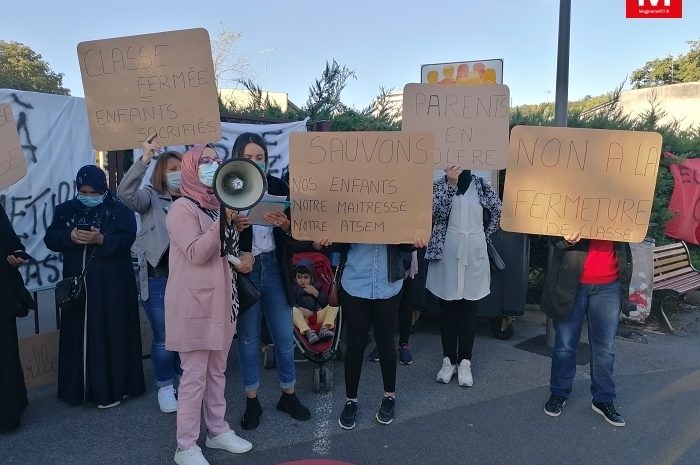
609, 412
290, 403
554, 405
347, 417
405, 357
251, 416
385, 414
374, 355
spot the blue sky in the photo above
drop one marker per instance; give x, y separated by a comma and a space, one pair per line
384, 41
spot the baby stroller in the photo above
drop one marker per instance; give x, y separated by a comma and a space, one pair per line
324, 351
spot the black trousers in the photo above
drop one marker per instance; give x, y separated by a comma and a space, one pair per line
406, 310
359, 315
457, 328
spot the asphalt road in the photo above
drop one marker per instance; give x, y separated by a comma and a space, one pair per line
498, 421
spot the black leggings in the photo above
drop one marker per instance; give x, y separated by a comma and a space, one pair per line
457, 328
359, 315
406, 310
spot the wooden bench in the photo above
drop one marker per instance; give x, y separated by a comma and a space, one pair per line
674, 276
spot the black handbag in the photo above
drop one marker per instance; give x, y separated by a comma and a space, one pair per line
495, 260
70, 291
248, 294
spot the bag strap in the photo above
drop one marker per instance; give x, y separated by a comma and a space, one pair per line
339, 269
92, 254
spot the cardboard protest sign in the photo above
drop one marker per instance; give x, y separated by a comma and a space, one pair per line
361, 187
38, 356
470, 123
597, 182
153, 84
13, 165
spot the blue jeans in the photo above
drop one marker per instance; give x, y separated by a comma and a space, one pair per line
165, 363
278, 315
602, 304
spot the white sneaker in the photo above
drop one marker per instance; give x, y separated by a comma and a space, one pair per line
464, 373
446, 372
166, 399
191, 456
105, 406
229, 441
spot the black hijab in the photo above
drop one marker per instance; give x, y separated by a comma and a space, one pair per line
93, 176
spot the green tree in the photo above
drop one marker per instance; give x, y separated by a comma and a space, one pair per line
22, 68
669, 70
324, 95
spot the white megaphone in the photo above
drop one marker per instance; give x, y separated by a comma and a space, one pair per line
239, 184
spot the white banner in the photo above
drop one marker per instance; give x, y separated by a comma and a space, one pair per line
276, 138
55, 138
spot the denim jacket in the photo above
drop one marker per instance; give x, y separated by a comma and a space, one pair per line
370, 274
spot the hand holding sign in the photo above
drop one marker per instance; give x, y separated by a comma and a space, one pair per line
361, 187
153, 84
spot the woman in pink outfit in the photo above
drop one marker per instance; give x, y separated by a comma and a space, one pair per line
201, 306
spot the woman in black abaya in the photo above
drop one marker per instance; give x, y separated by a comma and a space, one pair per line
14, 302
100, 339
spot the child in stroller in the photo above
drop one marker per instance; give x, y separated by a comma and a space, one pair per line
310, 300
325, 323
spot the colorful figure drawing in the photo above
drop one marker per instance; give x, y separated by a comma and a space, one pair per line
448, 72
478, 75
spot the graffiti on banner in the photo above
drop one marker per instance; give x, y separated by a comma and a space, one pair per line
55, 140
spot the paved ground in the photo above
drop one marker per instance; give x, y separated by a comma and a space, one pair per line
498, 421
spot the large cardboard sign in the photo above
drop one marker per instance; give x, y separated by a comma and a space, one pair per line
470, 123
38, 355
597, 182
153, 84
13, 165
361, 187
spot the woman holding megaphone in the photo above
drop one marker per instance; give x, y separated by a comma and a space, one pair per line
268, 245
201, 306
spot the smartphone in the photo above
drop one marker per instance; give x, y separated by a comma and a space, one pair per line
22, 254
84, 227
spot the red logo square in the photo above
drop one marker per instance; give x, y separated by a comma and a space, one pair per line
654, 8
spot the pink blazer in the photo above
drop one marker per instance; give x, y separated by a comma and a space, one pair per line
198, 293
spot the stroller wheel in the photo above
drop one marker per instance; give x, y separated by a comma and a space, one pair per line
325, 379
317, 380
268, 357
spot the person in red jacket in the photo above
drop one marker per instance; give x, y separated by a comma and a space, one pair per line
586, 278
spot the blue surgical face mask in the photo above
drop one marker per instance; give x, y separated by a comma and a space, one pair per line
172, 179
206, 173
262, 165
90, 201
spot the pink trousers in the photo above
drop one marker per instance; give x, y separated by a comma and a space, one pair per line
202, 389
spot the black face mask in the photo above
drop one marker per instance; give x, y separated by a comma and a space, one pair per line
463, 182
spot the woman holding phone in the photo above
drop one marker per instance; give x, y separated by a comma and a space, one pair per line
100, 339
